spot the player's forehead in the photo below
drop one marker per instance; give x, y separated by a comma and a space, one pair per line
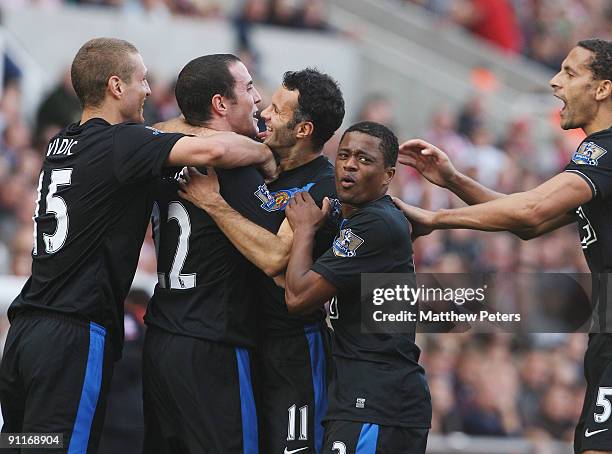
240, 73
578, 59
139, 67
360, 142
284, 99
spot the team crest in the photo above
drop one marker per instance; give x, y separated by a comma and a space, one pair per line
346, 243
275, 201
588, 154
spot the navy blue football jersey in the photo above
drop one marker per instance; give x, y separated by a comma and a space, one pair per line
94, 203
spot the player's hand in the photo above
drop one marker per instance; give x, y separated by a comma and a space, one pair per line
422, 221
428, 160
303, 212
200, 189
270, 169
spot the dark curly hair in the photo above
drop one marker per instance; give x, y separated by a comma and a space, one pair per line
601, 64
389, 146
320, 101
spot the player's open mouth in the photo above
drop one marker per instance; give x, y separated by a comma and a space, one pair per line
347, 181
564, 103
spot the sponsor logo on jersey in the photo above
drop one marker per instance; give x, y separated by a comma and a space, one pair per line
588, 153
595, 432
346, 243
294, 451
155, 131
275, 201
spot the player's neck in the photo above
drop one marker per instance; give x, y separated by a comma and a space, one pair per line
112, 116
296, 156
348, 210
600, 122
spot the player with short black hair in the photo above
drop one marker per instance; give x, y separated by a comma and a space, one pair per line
582, 193
201, 318
378, 397
93, 209
292, 360
389, 145
200, 80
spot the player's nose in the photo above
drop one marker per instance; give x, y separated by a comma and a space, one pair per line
265, 114
350, 163
554, 82
256, 96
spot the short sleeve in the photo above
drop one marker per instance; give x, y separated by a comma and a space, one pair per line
139, 152
593, 162
364, 245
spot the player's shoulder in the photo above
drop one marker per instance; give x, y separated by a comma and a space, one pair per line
380, 215
595, 149
319, 169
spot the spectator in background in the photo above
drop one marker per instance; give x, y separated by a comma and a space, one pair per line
377, 107
57, 110
494, 21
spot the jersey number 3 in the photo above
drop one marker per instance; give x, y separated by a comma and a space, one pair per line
56, 206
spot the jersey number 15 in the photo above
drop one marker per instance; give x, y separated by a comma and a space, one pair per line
56, 206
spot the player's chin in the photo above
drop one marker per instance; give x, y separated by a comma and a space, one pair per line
345, 195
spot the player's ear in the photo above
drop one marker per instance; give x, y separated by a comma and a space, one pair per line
219, 105
305, 130
115, 87
389, 174
603, 90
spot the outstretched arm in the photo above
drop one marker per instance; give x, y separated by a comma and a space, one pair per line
436, 167
266, 250
538, 209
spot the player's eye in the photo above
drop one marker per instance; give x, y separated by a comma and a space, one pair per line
342, 155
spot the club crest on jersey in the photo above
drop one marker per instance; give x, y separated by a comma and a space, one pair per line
588, 154
155, 131
346, 243
274, 201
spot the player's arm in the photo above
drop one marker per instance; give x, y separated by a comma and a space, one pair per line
266, 250
223, 149
539, 208
305, 290
436, 167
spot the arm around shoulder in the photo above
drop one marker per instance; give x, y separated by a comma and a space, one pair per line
225, 150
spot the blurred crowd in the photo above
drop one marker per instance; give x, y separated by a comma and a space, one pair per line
500, 385
544, 30
304, 14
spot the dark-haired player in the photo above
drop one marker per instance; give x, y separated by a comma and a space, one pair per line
201, 318
94, 204
378, 397
582, 193
292, 353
